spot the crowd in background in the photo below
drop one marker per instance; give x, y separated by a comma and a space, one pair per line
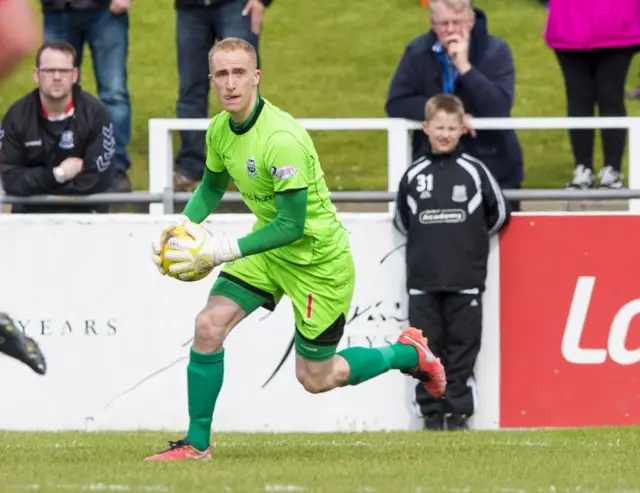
593, 41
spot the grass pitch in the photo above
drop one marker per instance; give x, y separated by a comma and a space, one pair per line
584, 460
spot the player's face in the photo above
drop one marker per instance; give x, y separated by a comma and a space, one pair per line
444, 131
235, 79
56, 74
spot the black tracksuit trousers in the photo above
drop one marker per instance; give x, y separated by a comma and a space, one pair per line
452, 324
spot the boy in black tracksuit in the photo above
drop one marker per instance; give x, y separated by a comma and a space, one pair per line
448, 204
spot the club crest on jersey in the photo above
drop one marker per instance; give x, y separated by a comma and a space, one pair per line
459, 193
251, 168
66, 140
284, 172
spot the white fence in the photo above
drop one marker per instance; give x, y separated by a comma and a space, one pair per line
398, 140
111, 365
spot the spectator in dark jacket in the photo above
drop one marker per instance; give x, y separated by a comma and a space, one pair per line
57, 139
104, 26
459, 56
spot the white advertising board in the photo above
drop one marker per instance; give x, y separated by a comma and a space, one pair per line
117, 334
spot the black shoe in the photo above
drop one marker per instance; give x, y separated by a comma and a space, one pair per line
434, 422
457, 422
17, 345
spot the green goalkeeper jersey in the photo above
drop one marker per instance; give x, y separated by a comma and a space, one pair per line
270, 154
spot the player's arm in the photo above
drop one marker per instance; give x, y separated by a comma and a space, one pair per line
18, 33
291, 207
288, 162
209, 193
207, 196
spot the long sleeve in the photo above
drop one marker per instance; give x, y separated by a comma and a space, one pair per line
492, 92
496, 207
401, 216
288, 226
98, 166
18, 179
405, 98
207, 196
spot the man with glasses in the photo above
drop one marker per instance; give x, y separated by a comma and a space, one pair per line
58, 139
102, 25
458, 56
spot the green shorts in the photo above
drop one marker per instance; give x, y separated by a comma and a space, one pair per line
321, 296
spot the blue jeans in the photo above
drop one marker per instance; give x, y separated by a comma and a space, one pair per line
108, 38
196, 31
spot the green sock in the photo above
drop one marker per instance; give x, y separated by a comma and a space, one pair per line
366, 363
205, 373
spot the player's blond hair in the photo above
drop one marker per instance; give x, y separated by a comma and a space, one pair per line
232, 44
455, 4
448, 103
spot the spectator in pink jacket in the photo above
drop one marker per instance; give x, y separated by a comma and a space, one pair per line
594, 41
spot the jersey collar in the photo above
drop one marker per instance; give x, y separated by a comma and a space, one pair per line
68, 111
248, 124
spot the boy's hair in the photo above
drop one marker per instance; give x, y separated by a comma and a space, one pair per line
443, 102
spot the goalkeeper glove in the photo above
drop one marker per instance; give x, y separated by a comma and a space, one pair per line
191, 258
156, 247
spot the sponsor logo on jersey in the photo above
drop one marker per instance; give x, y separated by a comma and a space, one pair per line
284, 172
437, 216
257, 198
251, 168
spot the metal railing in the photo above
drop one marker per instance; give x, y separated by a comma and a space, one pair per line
399, 132
162, 198
169, 198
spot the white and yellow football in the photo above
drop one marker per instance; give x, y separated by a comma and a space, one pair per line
178, 232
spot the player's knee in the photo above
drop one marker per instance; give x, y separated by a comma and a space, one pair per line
313, 385
320, 378
210, 332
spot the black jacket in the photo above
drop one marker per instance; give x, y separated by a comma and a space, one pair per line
57, 5
31, 146
194, 4
487, 90
447, 205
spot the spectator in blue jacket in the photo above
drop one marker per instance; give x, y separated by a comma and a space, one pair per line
459, 56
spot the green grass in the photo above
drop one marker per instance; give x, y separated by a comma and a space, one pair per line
335, 59
588, 460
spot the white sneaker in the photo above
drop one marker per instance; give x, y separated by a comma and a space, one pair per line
610, 178
582, 177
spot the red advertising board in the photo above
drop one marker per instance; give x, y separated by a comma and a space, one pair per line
570, 321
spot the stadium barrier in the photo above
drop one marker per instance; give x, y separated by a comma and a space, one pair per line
559, 314
162, 198
399, 133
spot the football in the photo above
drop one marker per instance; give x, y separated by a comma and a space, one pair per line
178, 232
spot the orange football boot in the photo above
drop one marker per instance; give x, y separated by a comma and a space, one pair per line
181, 451
429, 370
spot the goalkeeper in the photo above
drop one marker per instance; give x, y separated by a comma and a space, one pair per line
298, 247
